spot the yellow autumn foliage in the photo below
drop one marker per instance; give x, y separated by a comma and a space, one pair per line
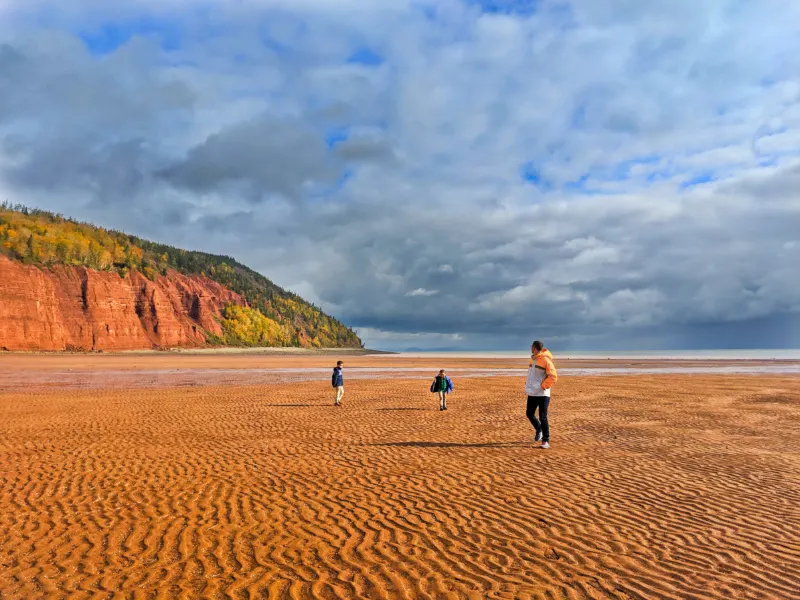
42, 238
244, 326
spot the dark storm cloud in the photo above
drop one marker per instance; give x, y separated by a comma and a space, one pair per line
108, 170
365, 148
266, 155
72, 123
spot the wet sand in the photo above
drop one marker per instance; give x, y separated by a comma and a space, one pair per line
12, 362
31, 372
656, 486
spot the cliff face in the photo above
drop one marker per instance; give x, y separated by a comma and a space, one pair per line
75, 308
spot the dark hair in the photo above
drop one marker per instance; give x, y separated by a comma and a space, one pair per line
338, 362
538, 345
441, 371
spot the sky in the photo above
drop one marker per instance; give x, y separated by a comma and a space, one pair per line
448, 174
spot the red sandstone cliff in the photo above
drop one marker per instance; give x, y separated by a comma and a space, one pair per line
74, 308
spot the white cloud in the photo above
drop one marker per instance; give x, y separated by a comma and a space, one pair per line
421, 292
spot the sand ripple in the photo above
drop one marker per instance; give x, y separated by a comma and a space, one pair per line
654, 488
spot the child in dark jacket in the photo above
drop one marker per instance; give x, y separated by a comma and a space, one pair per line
337, 381
441, 386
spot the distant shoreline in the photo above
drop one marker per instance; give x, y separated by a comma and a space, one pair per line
756, 354
270, 351
644, 357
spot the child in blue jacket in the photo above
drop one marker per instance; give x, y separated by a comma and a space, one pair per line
442, 385
337, 382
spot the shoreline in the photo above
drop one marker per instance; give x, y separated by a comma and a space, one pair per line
644, 356
223, 351
310, 359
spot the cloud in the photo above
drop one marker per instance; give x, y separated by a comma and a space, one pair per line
260, 156
422, 292
593, 173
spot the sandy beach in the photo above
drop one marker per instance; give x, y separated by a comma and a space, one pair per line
221, 478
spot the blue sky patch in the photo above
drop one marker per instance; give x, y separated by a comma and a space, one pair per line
530, 173
654, 176
336, 135
620, 171
515, 7
274, 45
367, 57
346, 176
700, 179
110, 36
579, 185
768, 162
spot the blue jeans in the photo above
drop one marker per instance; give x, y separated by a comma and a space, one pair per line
541, 424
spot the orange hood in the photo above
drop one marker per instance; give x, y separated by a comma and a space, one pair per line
540, 358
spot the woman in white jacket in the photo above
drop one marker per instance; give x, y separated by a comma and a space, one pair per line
541, 377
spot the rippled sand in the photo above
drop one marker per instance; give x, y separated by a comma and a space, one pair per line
655, 487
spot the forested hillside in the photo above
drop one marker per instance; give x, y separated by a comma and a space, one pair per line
273, 317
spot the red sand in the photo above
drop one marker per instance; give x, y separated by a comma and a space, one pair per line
655, 487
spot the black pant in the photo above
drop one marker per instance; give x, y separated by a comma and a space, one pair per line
542, 403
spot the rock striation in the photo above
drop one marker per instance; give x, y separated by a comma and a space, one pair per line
75, 308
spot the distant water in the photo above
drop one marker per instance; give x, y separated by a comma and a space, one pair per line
88, 378
640, 354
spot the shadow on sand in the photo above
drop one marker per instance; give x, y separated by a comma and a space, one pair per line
453, 444
404, 408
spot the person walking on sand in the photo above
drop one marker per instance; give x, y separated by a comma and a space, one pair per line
441, 386
337, 381
541, 377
